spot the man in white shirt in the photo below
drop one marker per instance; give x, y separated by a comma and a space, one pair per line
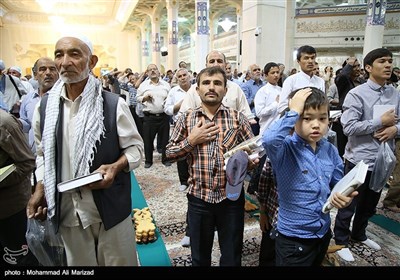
266, 103
152, 94
306, 56
171, 107
234, 97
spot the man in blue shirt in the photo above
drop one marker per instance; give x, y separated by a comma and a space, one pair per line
45, 72
250, 89
365, 134
306, 166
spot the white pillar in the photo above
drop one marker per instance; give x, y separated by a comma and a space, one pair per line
172, 7
263, 32
155, 36
239, 40
202, 34
289, 35
146, 46
373, 38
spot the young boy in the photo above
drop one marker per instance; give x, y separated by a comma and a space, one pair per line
365, 134
306, 167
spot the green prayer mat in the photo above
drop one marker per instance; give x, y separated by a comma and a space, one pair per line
153, 253
386, 223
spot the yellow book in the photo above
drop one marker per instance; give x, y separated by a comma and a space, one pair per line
7, 170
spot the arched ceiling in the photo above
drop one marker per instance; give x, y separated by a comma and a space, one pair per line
186, 11
127, 15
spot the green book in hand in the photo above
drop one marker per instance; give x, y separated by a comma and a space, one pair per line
6, 170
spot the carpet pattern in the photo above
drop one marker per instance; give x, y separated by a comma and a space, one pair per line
168, 206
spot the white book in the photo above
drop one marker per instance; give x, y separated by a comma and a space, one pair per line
79, 181
6, 170
379, 110
349, 183
251, 145
334, 114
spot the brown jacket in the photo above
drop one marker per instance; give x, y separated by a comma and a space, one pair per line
16, 189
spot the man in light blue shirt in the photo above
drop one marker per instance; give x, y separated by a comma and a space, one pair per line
45, 72
250, 89
365, 134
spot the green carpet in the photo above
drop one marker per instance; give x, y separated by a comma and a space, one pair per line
386, 223
152, 253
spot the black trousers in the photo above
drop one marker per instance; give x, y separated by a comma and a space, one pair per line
267, 250
228, 217
183, 171
363, 207
13, 245
341, 138
293, 251
256, 127
152, 126
138, 120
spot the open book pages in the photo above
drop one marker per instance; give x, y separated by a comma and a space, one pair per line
6, 170
253, 145
79, 181
349, 183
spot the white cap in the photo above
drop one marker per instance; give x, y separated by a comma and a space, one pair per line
82, 38
16, 68
2, 66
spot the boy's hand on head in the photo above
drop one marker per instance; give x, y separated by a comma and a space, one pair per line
296, 103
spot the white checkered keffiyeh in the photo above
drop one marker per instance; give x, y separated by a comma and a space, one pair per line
89, 128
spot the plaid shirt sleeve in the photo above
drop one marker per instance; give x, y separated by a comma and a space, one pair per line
267, 193
178, 145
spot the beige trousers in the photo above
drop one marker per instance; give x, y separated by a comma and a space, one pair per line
95, 246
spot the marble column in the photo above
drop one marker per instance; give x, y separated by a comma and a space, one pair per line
145, 49
239, 40
202, 34
263, 33
373, 38
172, 8
156, 41
289, 61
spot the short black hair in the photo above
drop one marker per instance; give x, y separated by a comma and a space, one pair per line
268, 67
305, 49
315, 100
212, 71
375, 54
